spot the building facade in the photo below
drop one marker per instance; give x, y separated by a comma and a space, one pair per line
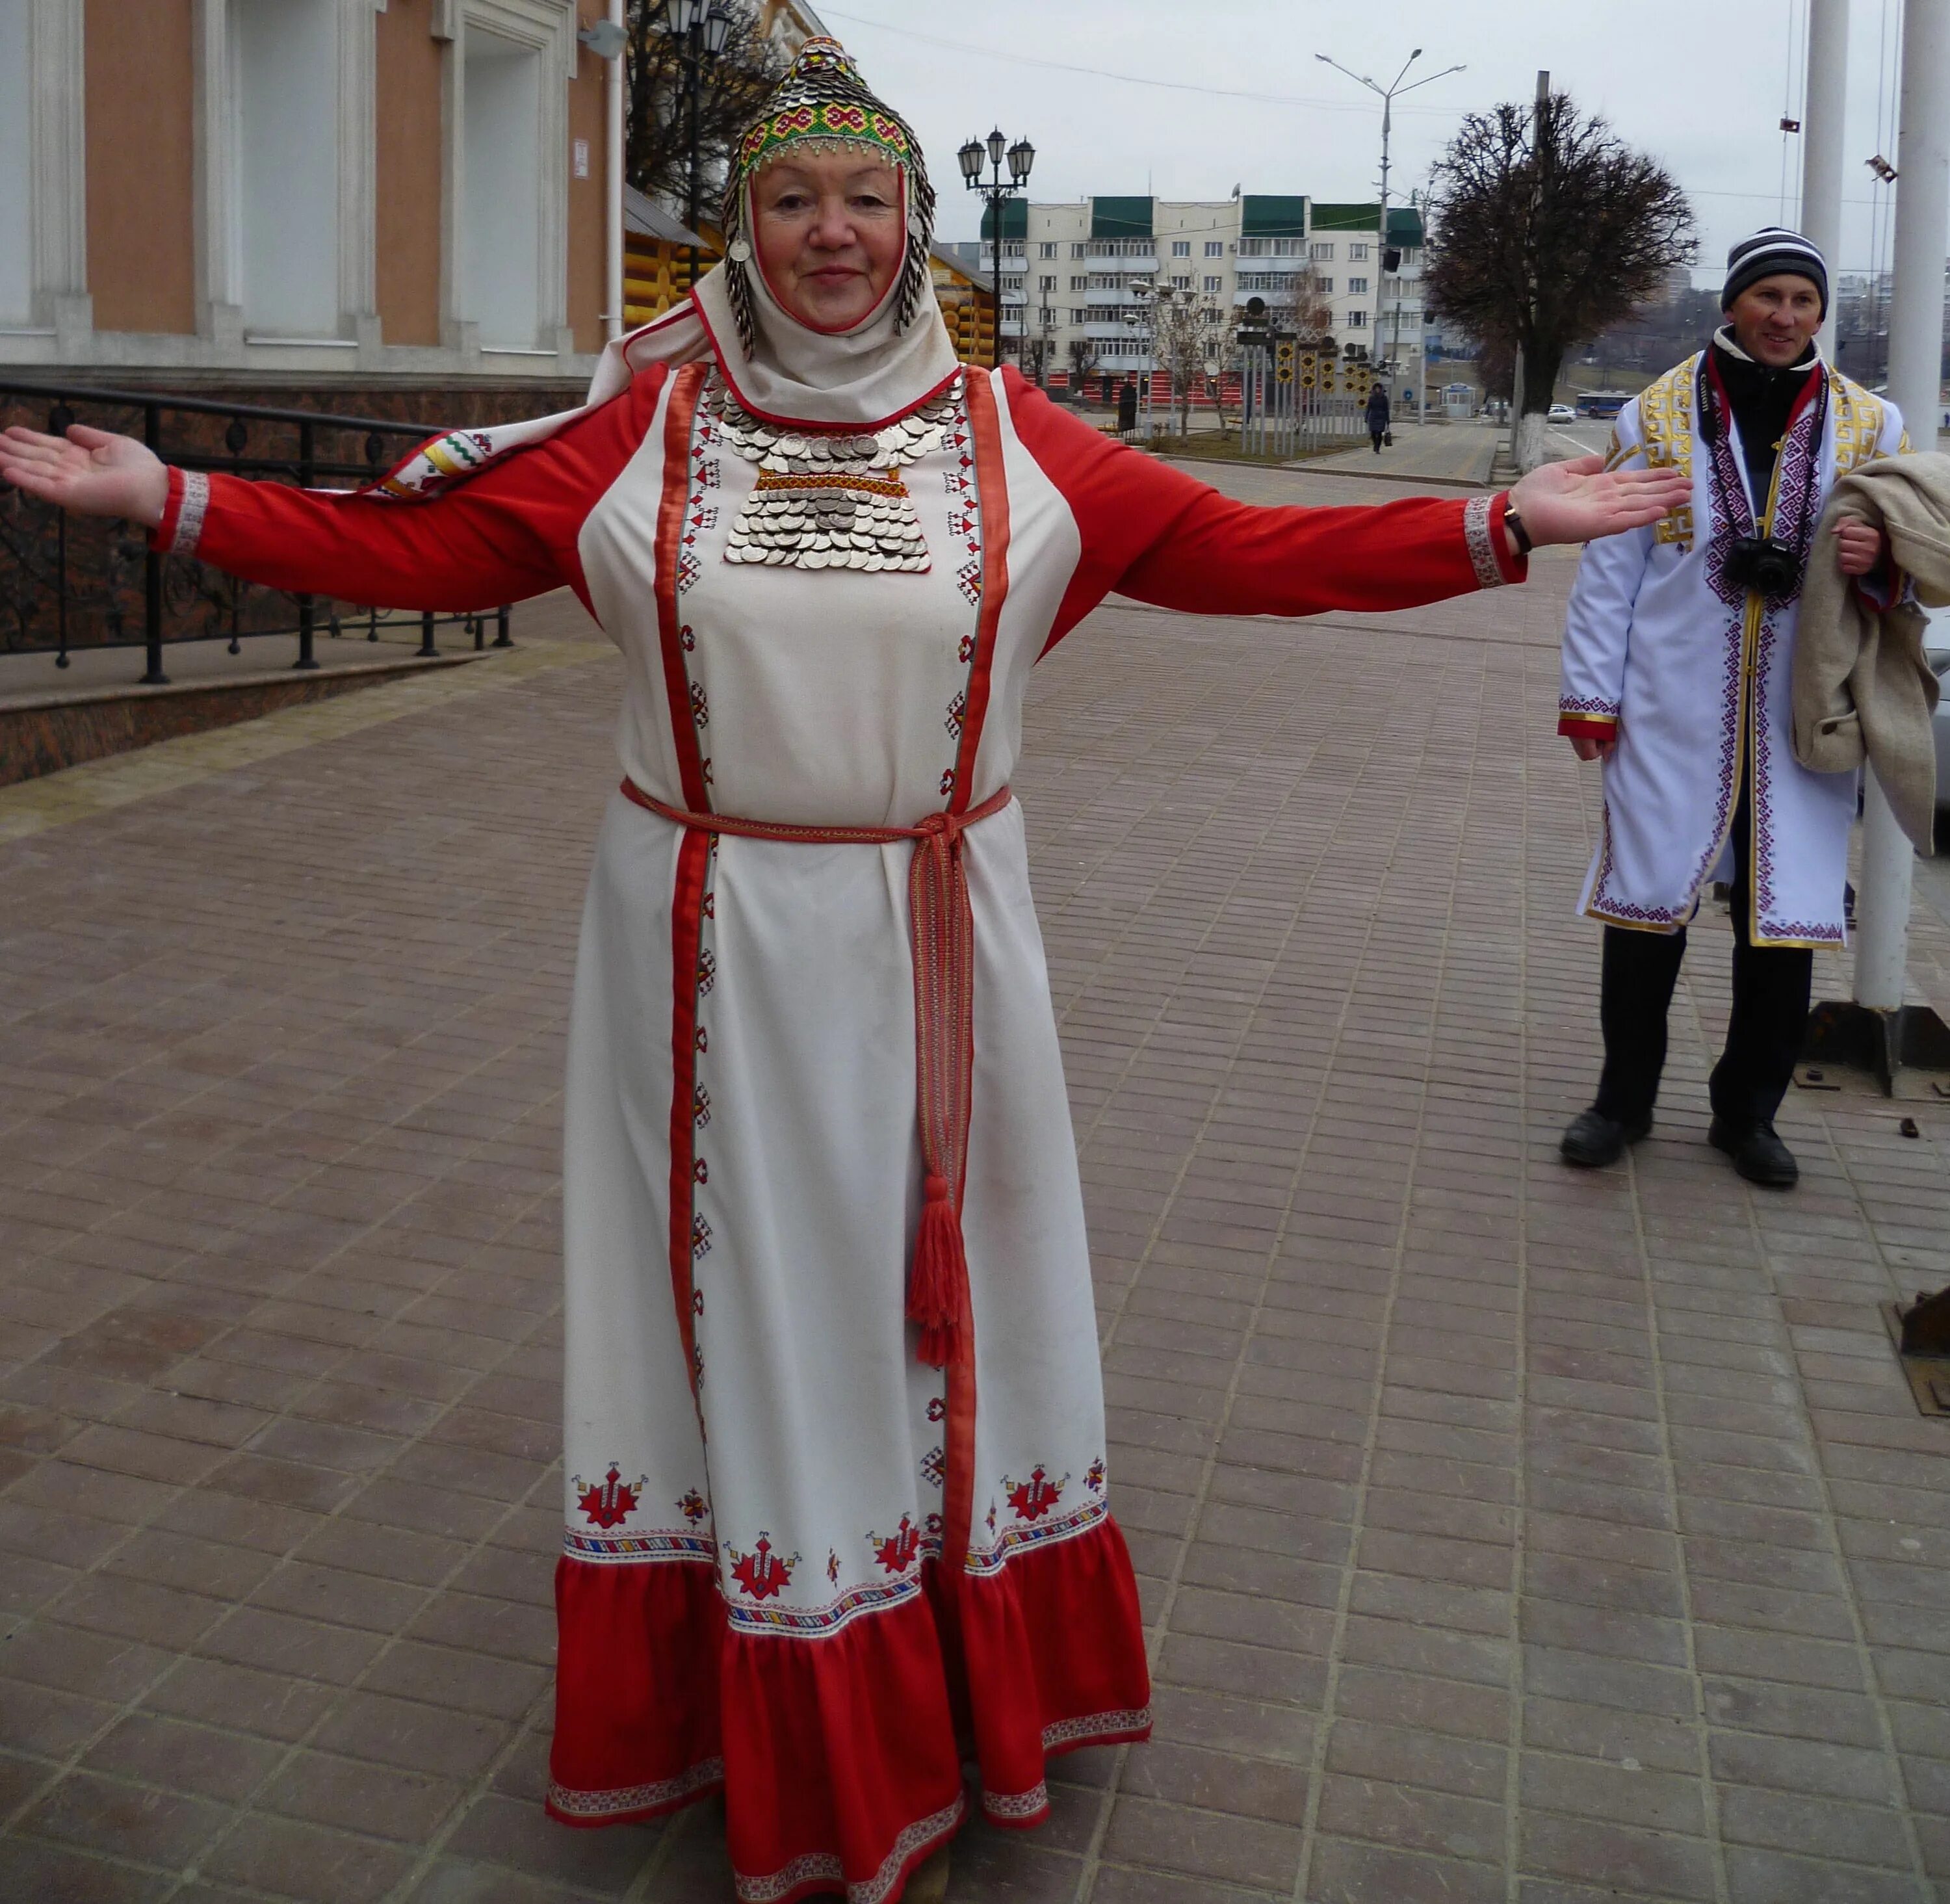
301, 190
1073, 274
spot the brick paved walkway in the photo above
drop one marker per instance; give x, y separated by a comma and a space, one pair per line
1505, 1534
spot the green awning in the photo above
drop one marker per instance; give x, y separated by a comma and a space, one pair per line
1120, 218
1265, 215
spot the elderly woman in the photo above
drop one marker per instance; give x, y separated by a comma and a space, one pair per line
836, 1504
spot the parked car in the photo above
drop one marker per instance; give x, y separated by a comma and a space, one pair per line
1563, 414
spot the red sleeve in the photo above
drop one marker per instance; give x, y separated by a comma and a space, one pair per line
1156, 534
502, 536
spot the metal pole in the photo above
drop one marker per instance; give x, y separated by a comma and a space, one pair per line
1539, 134
152, 573
306, 613
612, 165
694, 71
1822, 128
1916, 345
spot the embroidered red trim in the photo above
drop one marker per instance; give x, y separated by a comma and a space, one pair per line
680, 414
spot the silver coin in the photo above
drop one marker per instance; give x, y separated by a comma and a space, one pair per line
875, 562
777, 558
857, 559
792, 446
813, 559
820, 450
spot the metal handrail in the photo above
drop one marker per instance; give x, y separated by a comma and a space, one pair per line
307, 467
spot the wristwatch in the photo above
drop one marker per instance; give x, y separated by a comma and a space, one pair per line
1515, 523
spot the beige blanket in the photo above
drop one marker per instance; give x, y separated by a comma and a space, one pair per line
1862, 686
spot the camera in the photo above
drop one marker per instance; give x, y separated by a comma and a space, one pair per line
1770, 568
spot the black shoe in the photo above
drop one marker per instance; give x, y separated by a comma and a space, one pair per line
1757, 1154
1593, 1140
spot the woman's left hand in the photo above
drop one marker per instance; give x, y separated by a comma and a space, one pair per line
1579, 501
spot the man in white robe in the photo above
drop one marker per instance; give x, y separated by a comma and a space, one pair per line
1678, 653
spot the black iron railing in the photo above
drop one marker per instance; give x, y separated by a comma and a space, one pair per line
78, 583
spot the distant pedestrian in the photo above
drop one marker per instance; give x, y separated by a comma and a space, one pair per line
1378, 414
1127, 407
1678, 664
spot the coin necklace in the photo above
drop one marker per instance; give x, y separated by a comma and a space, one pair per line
831, 499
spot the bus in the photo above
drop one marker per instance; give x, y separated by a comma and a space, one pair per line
1602, 403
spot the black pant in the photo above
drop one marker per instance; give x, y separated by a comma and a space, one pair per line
1771, 985
1377, 431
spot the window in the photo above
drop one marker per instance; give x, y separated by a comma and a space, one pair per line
17, 191
1105, 281
1322, 252
1215, 248
1046, 284
1077, 250
1077, 317
1012, 248
1357, 254
1327, 287
1103, 314
284, 56
1045, 251
1079, 284
1357, 320
501, 195
1181, 283
1181, 247
1356, 287
1012, 284
1212, 285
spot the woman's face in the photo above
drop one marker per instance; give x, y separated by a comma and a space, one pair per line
830, 235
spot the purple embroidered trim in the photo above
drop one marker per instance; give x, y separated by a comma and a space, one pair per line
1598, 710
189, 517
1476, 532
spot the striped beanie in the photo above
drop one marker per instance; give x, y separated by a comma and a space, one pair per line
1773, 250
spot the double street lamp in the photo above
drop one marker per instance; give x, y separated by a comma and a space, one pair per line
1020, 157
703, 26
1388, 94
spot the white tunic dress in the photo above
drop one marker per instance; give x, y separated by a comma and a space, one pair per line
1684, 676
798, 1563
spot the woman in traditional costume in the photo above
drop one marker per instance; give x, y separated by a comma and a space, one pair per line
836, 1513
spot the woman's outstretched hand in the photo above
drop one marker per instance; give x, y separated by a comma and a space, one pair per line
91, 472
1577, 501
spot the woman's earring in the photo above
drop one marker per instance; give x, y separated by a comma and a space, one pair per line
738, 251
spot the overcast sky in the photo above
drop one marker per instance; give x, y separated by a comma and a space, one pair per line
1699, 83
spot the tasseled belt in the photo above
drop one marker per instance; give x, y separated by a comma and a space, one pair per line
941, 924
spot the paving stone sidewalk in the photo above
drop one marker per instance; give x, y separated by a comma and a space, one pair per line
1505, 1534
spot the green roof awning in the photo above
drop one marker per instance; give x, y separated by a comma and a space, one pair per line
1347, 218
1015, 219
1262, 215
1120, 218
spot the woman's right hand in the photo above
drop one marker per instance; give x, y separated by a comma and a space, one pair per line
92, 472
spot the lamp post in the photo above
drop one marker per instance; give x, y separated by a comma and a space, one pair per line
1387, 96
1020, 157
704, 26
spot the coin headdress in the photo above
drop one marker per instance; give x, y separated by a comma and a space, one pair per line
823, 105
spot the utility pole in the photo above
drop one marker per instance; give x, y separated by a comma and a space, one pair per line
1386, 95
1822, 125
1916, 345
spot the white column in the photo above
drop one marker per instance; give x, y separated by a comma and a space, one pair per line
1915, 332
612, 163
1822, 142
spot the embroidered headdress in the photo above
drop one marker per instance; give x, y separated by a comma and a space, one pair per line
823, 105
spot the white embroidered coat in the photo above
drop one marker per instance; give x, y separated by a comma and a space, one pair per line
1654, 656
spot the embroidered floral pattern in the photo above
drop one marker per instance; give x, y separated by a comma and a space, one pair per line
707, 1775
1477, 535
611, 1501
189, 517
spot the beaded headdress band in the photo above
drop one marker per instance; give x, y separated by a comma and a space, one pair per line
823, 105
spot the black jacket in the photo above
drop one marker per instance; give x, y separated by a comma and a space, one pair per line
1378, 408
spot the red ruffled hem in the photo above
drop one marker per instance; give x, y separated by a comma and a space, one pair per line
837, 1752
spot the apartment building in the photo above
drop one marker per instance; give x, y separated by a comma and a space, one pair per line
1069, 273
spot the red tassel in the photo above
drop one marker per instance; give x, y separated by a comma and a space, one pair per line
937, 1276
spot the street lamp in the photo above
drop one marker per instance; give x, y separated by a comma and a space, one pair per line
1021, 157
704, 28
1387, 96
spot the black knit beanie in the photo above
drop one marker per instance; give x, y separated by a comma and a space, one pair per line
1771, 251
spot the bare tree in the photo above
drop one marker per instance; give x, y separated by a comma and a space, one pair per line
1545, 234
731, 89
1187, 337
1083, 359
